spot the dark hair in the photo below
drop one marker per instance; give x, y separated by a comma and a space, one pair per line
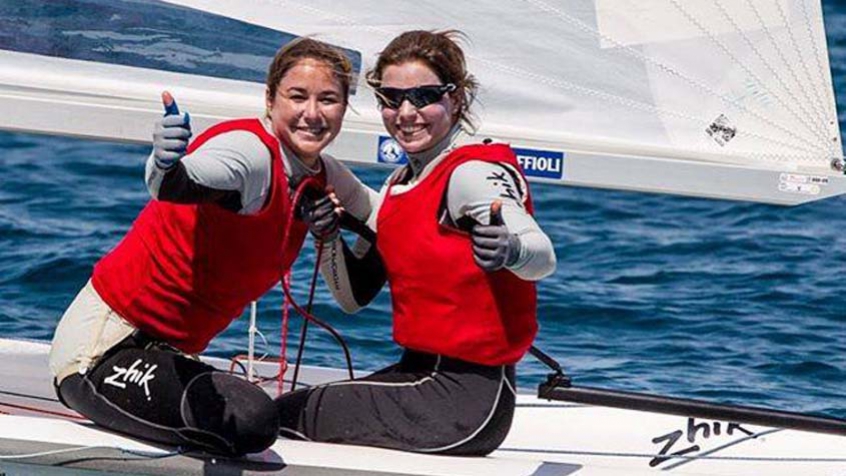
439, 51
306, 48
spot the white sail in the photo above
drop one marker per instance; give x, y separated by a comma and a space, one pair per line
717, 98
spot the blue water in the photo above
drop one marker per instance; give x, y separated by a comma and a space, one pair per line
730, 302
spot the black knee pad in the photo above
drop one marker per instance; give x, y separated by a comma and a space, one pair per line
233, 410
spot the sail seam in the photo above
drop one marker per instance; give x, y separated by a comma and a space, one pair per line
728, 53
640, 105
820, 70
811, 149
804, 112
819, 103
814, 148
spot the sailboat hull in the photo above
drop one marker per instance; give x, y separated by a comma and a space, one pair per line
549, 438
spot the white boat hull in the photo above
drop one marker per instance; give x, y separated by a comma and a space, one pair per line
547, 438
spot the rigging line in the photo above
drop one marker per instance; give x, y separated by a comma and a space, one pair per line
266, 345
820, 70
324, 326
283, 340
652, 108
309, 304
812, 150
813, 127
26, 395
42, 410
295, 203
819, 100
737, 61
674, 72
79, 449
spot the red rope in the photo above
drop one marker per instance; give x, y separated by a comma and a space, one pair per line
41, 410
286, 287
283, 359
286, 281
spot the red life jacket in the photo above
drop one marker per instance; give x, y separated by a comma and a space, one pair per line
443, 302
183, 272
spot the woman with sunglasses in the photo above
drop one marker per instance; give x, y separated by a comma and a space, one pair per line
460, 251
216, 236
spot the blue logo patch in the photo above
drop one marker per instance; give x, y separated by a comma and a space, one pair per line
541, 163
390, 152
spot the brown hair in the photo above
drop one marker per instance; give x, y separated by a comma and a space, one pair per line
439, 51
307, 48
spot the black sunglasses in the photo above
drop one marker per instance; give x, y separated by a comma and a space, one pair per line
419, 97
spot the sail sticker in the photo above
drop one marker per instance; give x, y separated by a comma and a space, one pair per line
801, 184
541, 163
390, 152
721, 130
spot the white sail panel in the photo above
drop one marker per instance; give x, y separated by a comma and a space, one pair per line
548, 66
633, 22
681, 96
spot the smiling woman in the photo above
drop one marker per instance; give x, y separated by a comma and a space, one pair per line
306, 99
463, 209
313, 110
218, 234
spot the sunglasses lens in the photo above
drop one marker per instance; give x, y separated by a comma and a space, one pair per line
419, 97
425, 95
390, 97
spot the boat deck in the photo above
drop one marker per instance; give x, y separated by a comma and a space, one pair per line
547, 438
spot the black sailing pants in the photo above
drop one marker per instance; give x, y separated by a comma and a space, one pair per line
425, 403
145, 389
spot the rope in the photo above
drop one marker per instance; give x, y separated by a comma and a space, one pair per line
42, 410
304, 329
78, 449
24, 395
307, 315
283, 347
288, 300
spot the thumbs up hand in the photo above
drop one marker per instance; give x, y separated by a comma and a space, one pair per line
171, 134
494, 247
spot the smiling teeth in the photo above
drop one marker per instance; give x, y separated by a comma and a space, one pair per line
411, 129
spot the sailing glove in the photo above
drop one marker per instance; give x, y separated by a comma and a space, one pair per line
494, 247
322, 217
170, 139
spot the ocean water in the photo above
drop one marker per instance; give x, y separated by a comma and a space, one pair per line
730, 302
